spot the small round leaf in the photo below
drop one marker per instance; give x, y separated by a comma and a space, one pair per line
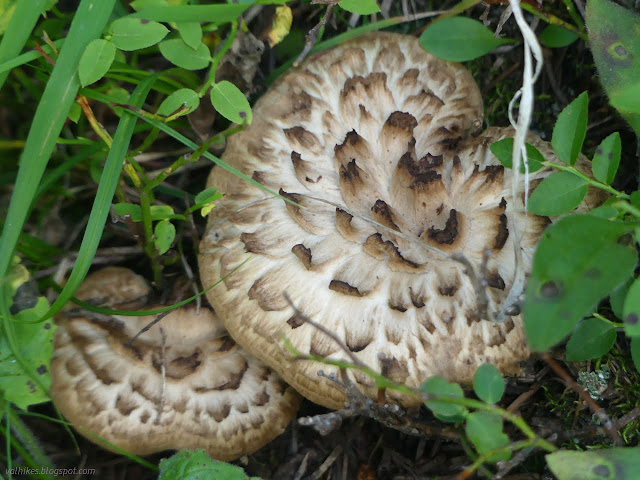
591, 339
570, 130
503, 150
631, 310
635, 352
230, 102
607, 158
484, 429
96, 61
559, 193
191, 33
135, 33
362, 7
488, 383
195, 464
459, 39
555, 37
448, 412
182, 55
163, 236
184, 100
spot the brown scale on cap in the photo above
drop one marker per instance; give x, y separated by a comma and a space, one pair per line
381, 132
184, 383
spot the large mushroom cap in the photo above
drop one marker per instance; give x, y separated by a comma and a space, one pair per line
182, 384
371, 139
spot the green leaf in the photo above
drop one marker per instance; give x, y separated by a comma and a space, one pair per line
133, 33
635, 352
617, 298
603, 464
577, 262
215, 14
119, 95
207, 196
104, 195
570, 130
158, 212
607, 158
196, 465
616, 53
182, 55
74, 112
230, 102
559, 193
488, 383
555, 37
604, 211
35, 345
626, 99
503, 150
459, 39
96, 61
634, 198
59, 94
205, 199
7, 8
191, 33
25, 15
631, 310
447, 412
183, 101
484, 429
138, 5
591, 339
362, 7
163, 236
33, 341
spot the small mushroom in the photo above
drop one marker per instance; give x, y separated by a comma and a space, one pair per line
183, 383
370, 144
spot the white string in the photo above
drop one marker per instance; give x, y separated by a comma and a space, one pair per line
525, 94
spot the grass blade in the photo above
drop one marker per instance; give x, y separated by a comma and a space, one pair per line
104, 196
22, 23
61, 89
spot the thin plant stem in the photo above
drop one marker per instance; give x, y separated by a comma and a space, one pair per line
553, 20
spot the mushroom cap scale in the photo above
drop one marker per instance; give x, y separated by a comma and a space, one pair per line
182, 384
371, 140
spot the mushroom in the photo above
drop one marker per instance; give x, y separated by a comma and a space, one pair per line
183, 383
381, 189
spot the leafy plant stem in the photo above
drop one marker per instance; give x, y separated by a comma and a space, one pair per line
613, 324
553, 20
191, 158
574, 14
484, 457
102, 203
473, 456
516, 420
627, 208
589, 180
149, 247
59, 93
216, 59
458, 8
149, 139
95, 125
383, 382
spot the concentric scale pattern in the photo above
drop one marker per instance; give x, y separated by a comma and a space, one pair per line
183, 383
371, 145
